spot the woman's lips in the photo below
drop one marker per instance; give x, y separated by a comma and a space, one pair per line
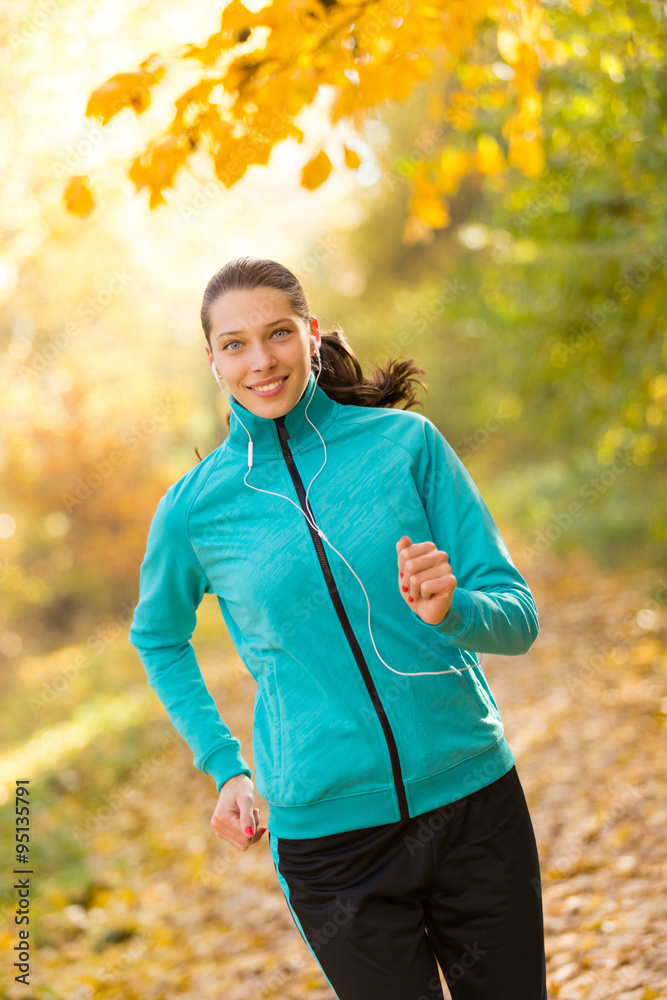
270, 392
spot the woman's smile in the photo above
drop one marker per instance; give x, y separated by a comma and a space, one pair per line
271, 388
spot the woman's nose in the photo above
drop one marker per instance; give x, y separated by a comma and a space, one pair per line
262, 357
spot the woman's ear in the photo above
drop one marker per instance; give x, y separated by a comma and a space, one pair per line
314, 332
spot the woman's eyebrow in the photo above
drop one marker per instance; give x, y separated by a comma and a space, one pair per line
234, 333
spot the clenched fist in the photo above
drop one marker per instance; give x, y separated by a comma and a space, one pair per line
236, 818
425, 579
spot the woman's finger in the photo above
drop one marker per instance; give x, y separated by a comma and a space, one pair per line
418, 580
412, 551
438, 586
422, 568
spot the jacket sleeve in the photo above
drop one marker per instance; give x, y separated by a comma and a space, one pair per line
172, 585
492, 609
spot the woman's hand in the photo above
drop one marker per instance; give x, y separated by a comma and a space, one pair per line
236, 812
425, 579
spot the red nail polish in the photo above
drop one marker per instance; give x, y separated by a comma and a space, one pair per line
404, 587
249, 831
401, 576
409, 598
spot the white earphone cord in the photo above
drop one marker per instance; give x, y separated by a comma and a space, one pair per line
403, 673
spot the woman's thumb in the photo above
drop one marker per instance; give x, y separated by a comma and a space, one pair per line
248, 823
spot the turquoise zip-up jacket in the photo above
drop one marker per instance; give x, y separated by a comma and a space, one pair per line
339, 741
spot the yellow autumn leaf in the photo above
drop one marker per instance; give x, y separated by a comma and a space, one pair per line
496, 98
489, 159
239, 72
531, 105
555, 51
124, 90
475, 76
368, 53
209, 53
157, 168
527, 155
460, 26
462, 108
427, 204
199, 94
235, 17
452, 165
256, 150
316, 171
78, 197
352, 159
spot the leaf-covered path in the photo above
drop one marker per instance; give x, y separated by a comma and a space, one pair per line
167, 910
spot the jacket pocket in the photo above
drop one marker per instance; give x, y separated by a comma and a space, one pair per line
267, 733
483, 694
443, 721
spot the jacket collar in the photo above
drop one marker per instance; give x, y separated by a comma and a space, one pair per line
264, 430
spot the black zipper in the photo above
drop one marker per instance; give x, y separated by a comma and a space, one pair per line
283, 435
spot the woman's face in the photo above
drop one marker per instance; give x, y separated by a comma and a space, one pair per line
255, 340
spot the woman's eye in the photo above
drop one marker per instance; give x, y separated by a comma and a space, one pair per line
230, 342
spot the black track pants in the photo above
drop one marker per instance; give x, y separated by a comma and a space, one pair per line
459, 884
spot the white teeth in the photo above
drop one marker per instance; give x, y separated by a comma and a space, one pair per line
267, 388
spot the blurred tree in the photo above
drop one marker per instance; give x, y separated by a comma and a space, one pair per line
545, 298
262, 68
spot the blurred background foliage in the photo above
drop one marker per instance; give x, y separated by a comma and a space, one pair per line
537, 312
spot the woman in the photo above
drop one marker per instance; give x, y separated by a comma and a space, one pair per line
359, 574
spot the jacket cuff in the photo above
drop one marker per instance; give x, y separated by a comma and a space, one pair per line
457, 620
223, 764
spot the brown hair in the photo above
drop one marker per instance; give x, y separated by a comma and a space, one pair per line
341, 376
